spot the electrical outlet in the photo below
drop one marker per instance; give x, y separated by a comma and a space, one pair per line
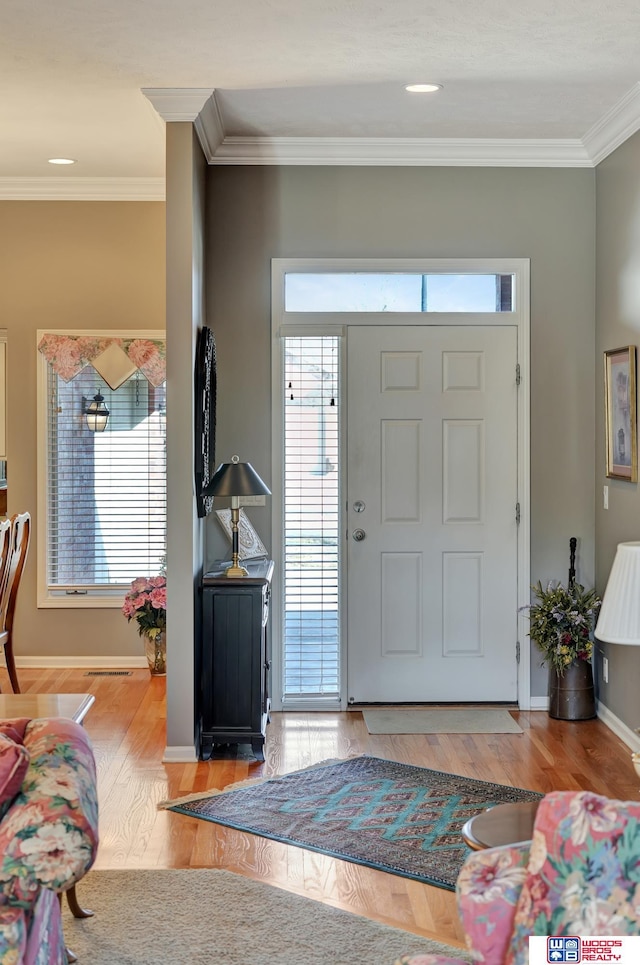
605, 670
605, 497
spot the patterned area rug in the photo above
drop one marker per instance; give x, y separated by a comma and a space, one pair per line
398, 818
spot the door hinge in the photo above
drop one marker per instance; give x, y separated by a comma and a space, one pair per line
517, 651
518, 513
518, 375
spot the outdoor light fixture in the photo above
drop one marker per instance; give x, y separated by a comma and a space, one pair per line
97, 414
236, 479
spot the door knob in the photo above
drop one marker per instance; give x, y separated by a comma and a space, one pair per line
358, 535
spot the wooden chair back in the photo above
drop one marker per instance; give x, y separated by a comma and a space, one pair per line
5, 551
18, 548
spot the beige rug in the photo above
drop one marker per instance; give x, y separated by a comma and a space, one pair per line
440, 721
210, 917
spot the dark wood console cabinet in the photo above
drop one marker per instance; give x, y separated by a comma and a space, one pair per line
234, 698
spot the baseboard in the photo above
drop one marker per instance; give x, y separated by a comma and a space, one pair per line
80, 663
539, 703
619, 728
180, 755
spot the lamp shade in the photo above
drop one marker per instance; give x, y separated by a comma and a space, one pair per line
236, 478
619, 619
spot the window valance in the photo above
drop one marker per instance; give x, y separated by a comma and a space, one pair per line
115, 359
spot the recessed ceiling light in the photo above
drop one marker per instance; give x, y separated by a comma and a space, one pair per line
423, 88
61, 160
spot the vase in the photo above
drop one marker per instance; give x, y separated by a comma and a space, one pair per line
571, 695
155, 649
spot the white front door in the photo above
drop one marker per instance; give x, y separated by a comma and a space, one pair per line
431, 517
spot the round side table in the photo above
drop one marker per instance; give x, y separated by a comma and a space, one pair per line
502, 824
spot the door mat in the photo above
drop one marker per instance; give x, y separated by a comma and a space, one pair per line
440, 721
398, 818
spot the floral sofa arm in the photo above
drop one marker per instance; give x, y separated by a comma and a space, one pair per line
487, 888
49, 833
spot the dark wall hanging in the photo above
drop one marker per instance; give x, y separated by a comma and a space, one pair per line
205, 417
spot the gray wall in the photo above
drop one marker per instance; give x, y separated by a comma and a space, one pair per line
255, 214
186, 188
617, 324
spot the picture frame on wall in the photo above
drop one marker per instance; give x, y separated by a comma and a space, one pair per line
620, 413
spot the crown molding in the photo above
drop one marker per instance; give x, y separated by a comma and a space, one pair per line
614, 127
178, 103
605, 136
408, 151
199, 106
196, 104
209, 128
82, 189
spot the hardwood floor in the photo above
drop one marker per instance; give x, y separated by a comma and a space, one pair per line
127, 728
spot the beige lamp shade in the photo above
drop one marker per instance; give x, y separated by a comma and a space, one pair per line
619, 619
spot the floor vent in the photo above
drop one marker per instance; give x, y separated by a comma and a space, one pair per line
108, 673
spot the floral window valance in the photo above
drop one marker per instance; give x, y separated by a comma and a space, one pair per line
115, 359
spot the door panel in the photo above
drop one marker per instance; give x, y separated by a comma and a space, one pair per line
432, 454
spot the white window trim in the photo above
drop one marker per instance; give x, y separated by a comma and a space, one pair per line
45, 598
334, 323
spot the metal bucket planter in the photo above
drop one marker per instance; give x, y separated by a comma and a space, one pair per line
571, 696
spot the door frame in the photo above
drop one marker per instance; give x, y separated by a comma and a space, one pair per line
324, 323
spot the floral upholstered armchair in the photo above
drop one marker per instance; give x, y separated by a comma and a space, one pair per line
580, 875
48, 832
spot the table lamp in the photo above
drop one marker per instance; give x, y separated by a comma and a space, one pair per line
236, 479
619, 619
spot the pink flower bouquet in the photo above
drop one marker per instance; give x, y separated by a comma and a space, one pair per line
146, 601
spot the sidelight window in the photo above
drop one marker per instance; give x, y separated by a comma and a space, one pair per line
311, 629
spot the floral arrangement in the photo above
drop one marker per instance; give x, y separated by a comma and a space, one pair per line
146, 601
562, 621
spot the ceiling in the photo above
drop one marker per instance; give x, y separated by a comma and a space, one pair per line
554, 82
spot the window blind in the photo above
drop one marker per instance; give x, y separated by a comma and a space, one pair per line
106, 491
311, 646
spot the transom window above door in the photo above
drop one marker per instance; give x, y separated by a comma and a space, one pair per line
398, 292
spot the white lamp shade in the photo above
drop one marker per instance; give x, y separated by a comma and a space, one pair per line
619, 619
